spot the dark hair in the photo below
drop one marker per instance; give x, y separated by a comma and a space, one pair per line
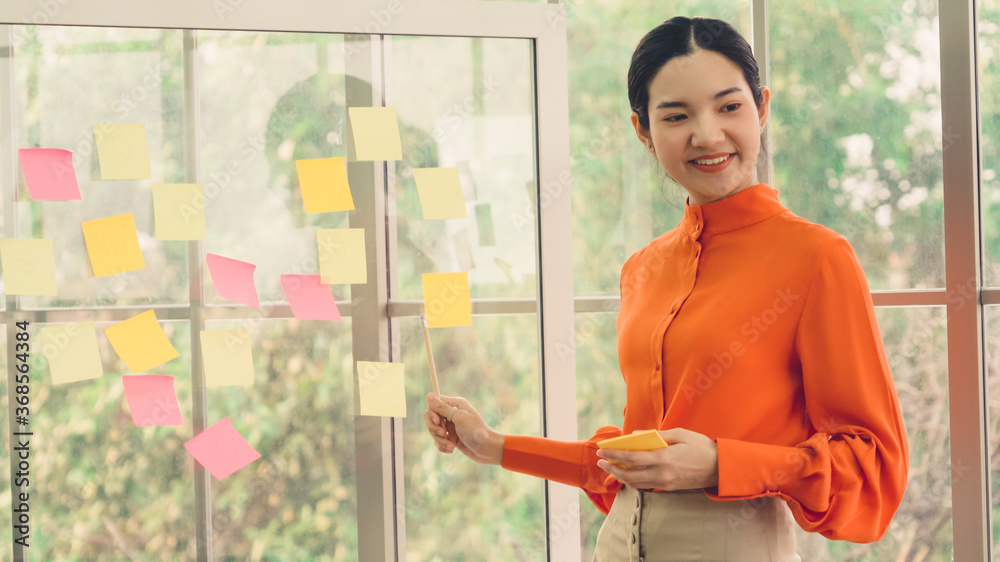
681, 36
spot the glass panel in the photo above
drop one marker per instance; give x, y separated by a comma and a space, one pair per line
991, 316
467, 103
856, 123
267, 100
600, 392
299, 500
917, 347
988, 12
68, 80
100, 487
622, 198
477, 509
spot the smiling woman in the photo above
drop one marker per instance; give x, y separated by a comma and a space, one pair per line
746, 337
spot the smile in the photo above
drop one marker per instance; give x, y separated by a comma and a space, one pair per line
712, 161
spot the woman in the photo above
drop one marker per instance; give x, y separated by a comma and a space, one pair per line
746, 336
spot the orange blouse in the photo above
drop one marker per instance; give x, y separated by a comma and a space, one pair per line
756, 328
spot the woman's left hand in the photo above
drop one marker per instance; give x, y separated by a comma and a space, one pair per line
690, 461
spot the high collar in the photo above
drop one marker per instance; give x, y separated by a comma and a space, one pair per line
750, 206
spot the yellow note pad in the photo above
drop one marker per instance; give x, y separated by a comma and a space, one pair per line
342, 258
123, 151
380, 386
113, 245
228, 358
640, 441
29, 266
324, 185
440, 193
446, 299
179, 211
72, 352
141, 343
376, 133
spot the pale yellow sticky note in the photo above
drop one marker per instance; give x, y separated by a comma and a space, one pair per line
342, 258
123, 151
447, 301
381, 389
324, 185
141, 343
179, 211
440, 193
72, 352
376, 133
29, 266
113, 245
228, 358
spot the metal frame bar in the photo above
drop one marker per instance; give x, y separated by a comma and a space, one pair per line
761, 50
961, 159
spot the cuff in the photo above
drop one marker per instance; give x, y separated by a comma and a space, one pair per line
755, 469
559, 461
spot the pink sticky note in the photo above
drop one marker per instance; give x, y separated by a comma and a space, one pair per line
233, 279
221, 449
309, 298
152, 400
49, 174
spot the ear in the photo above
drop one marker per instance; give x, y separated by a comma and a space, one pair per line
640, 131
765, 106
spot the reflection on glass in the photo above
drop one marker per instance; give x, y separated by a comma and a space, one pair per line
856, 125
988, 13
468, 104
916, 345
67, 80
453, 506
101, 488
299, 500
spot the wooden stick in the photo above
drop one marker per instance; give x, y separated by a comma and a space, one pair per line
430, 355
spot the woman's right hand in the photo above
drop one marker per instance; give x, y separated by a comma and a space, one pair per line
464, 428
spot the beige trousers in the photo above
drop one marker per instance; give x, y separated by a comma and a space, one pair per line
688, 526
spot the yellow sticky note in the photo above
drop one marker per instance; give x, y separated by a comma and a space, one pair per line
179, 211
380, 387
29, 266
228, 358
440, 193
446, 299
375, 131
141, 343
113, 245
342, 257
324, 185
123, 151
72, 352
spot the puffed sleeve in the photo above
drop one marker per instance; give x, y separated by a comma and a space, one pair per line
847, 480
569, 462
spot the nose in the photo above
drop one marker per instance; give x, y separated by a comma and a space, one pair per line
707, 132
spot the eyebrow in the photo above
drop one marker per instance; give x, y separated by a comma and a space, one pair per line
722, 94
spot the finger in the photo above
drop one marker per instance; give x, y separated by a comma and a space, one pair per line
632, 458
442, 405
675, 435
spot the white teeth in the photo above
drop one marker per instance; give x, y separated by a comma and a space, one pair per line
719, 160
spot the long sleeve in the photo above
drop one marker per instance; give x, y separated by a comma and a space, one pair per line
847, 479
568, 462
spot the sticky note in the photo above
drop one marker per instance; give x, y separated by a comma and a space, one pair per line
123, 151
308, 298
324, 185
440, 193
375, 133
342, 257
228, 358
152, 400
179, 211
113, 245
49, 174
233, 279
72, 352
140, 342
447, 301
647, 440
380, 386
29, 266
221, 449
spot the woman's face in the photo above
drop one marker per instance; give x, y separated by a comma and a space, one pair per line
704, 126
